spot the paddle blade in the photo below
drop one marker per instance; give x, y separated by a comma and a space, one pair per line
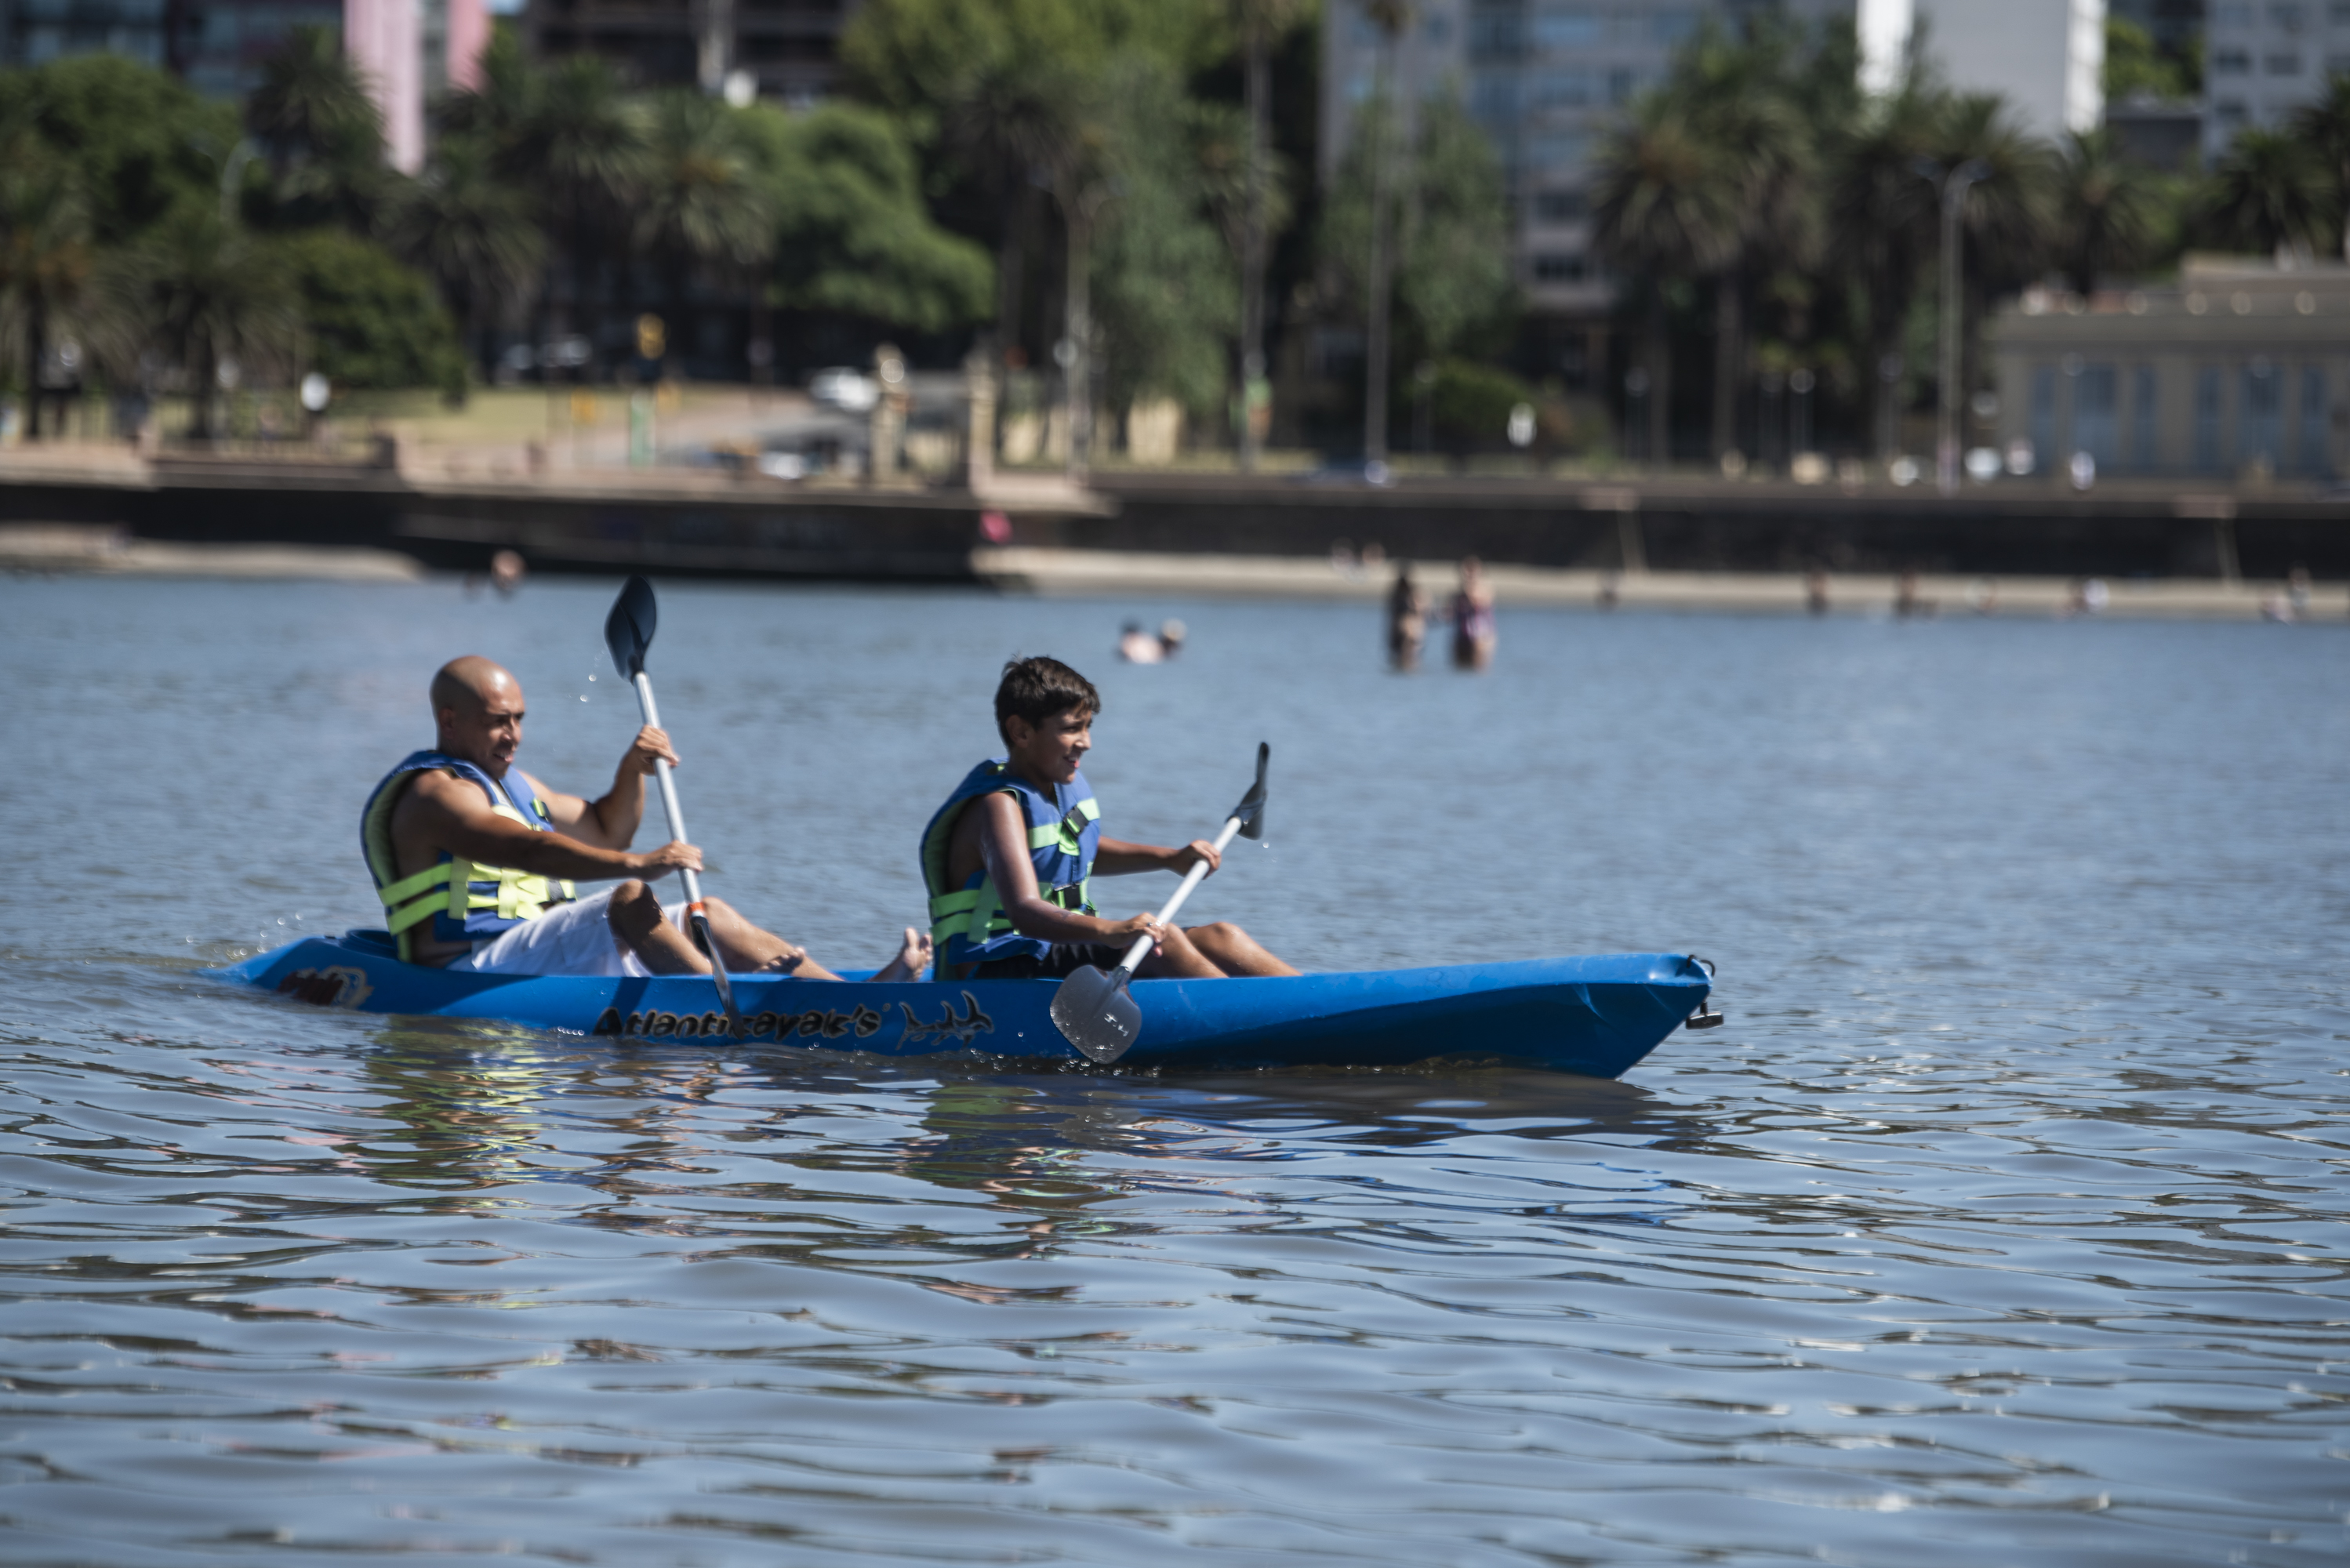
1250, 810
629, 629
1097, 1013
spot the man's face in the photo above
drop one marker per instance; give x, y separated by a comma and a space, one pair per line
1051, 751
486, 733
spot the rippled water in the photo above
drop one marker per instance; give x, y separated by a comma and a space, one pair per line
2002, 1224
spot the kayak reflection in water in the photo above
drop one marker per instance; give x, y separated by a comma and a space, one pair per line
473, 857
1011, 877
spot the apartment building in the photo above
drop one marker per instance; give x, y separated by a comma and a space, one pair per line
2265, 58
786, 49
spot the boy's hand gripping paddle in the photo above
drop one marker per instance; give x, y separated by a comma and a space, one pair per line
628, 633
1094, 1011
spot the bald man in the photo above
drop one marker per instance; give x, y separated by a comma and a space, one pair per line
474, 859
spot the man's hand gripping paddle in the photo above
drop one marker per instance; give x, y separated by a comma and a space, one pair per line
1096, 1011
628, 633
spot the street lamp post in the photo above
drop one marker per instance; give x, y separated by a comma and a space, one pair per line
1954, 184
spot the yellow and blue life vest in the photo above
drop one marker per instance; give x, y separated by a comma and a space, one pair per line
495, 897
968, 924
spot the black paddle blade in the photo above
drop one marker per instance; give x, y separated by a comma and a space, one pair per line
629, 629
1097, 1013
1250, 810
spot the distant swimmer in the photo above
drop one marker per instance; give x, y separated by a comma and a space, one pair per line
1407, 620
1171, 633
1474, 633
1137, 646
472, 858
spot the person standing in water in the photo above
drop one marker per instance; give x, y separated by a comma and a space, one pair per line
1407, 620
1474, 631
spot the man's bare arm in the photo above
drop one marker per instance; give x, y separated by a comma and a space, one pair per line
1004, 848
450, 814
610, 822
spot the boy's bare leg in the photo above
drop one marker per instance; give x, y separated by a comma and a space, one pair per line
1182, 958
1233, 951
913, 958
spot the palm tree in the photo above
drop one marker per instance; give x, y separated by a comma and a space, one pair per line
1380, 120
2323, 126
1735, 95
2269, 193
2108, 210
475, 235
582, 146
703, 208
1881, 223
46, 255
322, 133
206, 293
1665, 207
1262, 22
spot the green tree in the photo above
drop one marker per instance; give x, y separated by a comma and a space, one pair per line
1165, 292
2323, 126
1737, 95
1881, 226
2269, 193
2108, 212
45, 256
474, 235
368, 320
205, 292
852, 233
703, 208
1262, 210
1666, 205
2008, 218
322, 134
2137, 67
139, 139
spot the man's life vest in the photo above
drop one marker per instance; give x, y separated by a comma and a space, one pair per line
494, 897
968, 924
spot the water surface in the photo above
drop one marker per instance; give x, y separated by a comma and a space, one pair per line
2002, 1224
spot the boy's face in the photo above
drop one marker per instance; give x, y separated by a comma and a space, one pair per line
1050, 753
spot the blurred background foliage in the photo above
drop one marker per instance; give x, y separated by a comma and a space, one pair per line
1757, 210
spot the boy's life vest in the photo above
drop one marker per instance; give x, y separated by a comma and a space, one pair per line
494, 897
968, 924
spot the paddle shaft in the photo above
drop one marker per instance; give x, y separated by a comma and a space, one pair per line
669, 793
694, 909
1192, 878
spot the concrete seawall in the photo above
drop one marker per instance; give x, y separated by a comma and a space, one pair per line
687, 523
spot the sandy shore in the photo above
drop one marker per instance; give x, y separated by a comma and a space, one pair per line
1104, 573
91, 547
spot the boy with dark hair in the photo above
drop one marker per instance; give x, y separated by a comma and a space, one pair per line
1009, 859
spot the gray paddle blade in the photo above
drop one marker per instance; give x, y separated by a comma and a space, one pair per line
1250, 810
629, 629
1097, 1013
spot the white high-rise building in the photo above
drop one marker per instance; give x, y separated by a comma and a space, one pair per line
1548, 78
2263, 60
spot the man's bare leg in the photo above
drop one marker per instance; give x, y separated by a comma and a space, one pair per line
636, 918
1233, 951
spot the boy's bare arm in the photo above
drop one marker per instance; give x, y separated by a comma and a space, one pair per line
1004, 848
1116, 857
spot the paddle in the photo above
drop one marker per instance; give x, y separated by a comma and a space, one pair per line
1094, 1011
628, 633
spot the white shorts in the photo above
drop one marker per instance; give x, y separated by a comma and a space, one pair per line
570, 939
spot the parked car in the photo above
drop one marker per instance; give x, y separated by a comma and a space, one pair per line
850, 392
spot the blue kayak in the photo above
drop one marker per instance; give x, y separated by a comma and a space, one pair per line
1596, 1016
